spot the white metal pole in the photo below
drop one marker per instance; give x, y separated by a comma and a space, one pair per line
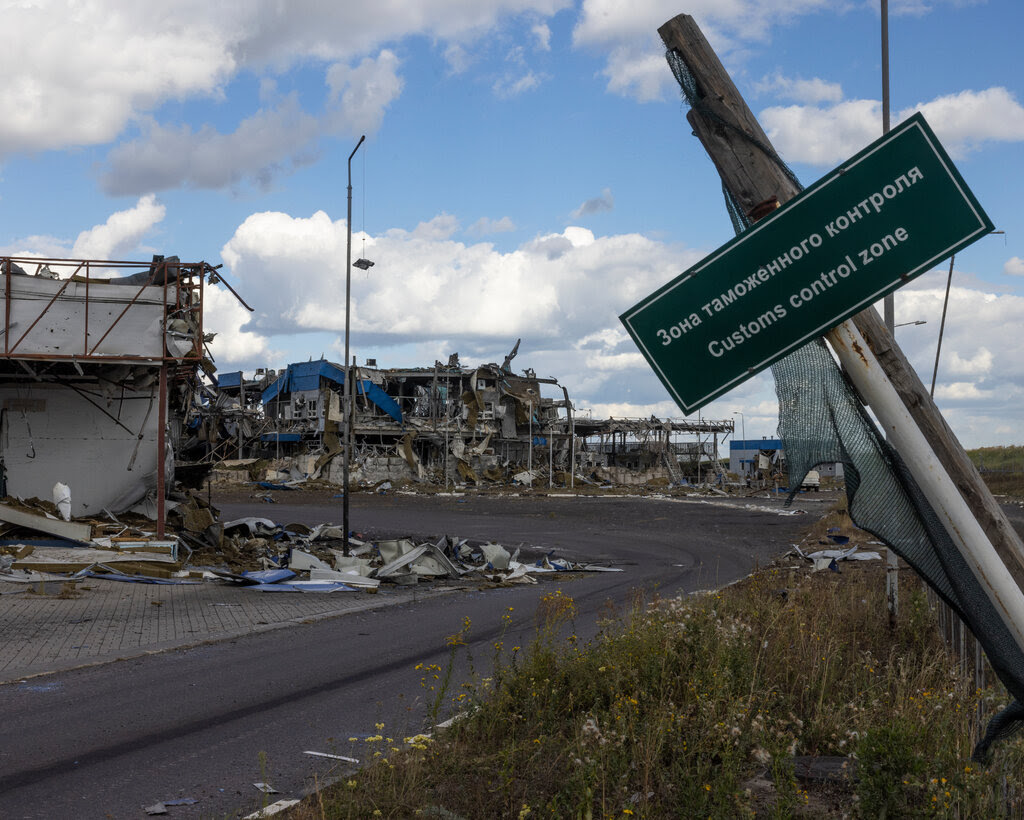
572, 452
939, 489
447, 426
529, 455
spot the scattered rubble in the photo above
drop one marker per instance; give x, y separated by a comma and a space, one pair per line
829, 558
252, 553
443, 425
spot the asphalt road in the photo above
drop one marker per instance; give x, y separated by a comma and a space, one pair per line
208, 722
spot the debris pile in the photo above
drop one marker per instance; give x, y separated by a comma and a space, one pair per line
838, 547
255, 553
481, 425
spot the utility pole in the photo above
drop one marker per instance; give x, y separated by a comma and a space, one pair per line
745, 160
892, 561
349, 394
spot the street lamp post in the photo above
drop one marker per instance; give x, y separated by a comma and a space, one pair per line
347, 427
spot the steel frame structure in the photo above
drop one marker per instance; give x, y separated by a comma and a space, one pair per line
182, 297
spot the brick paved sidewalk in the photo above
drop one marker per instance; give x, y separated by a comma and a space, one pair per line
108, 620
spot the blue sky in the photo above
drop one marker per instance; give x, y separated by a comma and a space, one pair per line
528, 170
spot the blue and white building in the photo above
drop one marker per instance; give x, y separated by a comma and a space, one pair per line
747, 457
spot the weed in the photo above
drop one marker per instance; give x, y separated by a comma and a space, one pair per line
698, 707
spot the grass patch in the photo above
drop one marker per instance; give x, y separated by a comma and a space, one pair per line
1010, 457
702, 707
1002, 468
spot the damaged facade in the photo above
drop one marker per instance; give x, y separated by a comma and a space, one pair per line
97, 358
635, 451
445, 424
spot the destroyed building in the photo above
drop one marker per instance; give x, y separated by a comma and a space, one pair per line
636, 451
447, 424
765, 457
98, 358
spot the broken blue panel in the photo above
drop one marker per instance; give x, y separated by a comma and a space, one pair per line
45, 542
331, 371
269, 576
303, 376
307, 375
538, 440
134, 579
230, 379
382, 400
304, 586
281, 437
278, 386
234, 578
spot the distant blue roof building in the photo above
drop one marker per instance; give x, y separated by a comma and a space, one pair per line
307, 376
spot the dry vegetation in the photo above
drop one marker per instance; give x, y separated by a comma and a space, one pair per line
705, 706
1002, 468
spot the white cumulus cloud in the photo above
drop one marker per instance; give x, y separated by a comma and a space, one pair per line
427, 288
809, 92
76, 73
121, 233
166, 157
232, 347
978, 364
84, 73
822, 136
1014, 266
965, 120
827, 135
596, 205
365, 91
960, 391
485, 226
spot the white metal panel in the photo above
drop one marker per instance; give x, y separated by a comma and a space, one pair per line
51, 433
62, 328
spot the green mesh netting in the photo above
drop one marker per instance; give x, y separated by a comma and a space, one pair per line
822, 420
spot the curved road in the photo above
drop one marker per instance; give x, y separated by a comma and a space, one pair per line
210, 721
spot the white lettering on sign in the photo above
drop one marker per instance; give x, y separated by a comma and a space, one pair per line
876, 249
825, 280
875, 201
676, 331
746, 331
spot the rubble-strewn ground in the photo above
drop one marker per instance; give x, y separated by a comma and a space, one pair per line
788, 694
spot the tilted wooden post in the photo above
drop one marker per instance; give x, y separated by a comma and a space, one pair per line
745, 160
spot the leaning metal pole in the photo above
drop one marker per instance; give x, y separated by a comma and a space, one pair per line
347, 412
874, 363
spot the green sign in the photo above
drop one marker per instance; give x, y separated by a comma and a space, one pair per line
890, 213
